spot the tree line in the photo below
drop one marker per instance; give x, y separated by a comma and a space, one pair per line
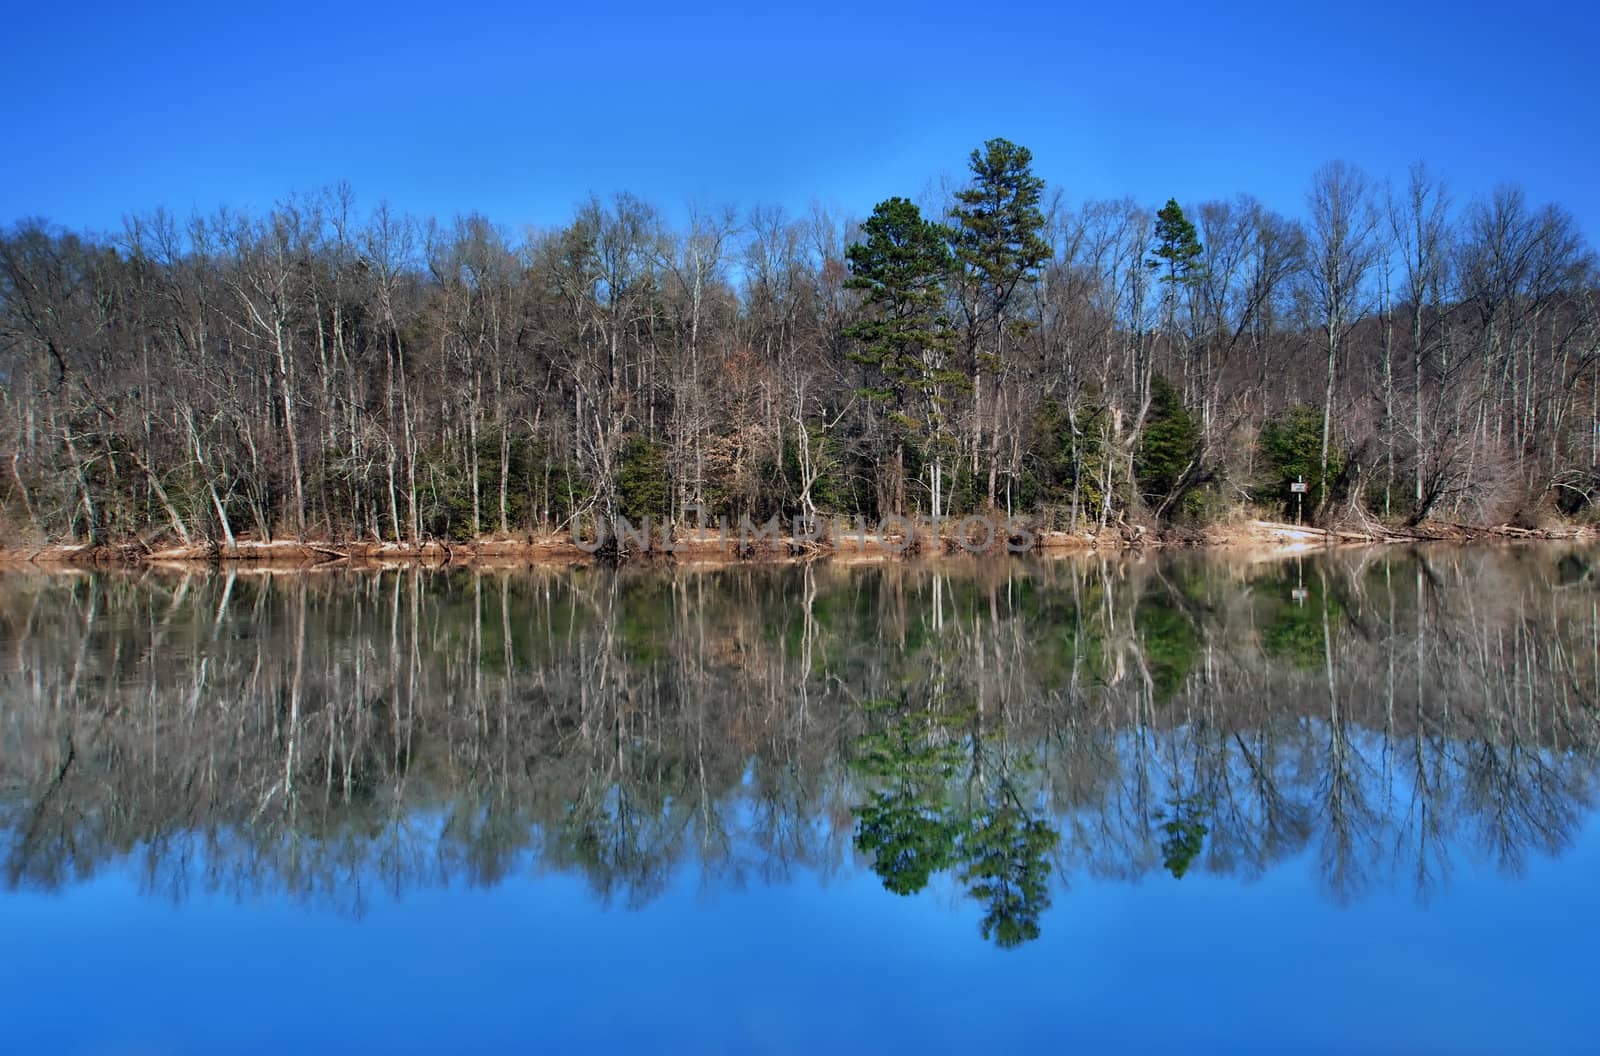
320, 372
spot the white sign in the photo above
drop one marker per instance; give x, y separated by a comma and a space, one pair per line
1299, 487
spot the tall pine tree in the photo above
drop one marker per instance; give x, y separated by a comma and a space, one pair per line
1000, 246
1178, 247
1176, 259
902, 267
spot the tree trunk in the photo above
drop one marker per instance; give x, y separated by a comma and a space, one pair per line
285, 383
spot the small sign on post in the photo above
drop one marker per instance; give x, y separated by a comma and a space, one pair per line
1298, 489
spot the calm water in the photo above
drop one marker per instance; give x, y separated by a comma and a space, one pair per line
1337, 804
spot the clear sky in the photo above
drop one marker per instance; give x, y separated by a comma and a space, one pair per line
523, 111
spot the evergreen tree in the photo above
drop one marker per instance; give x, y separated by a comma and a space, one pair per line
1170, 443
1178, 247
644, 489
999, 243
998, 239
1177, 258
1171, 433
904, 335
1291, 446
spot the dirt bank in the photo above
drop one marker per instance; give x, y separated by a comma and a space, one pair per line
709, 547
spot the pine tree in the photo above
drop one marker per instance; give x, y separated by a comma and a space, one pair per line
1170, 442
1178, 251
999, 244
904, 335
998, 237
1177, 246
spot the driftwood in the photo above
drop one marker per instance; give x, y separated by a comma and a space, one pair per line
1331, 534
333, 555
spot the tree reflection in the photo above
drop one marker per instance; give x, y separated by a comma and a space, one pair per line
907, 824
911, 826
1185, 835
337, 736
1005, 866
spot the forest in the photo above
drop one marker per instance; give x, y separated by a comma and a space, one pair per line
332, 372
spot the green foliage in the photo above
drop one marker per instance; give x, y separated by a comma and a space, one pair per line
643, 486
1007, 869
901, 268
1291, 448
1178, 247
1185, 835
966, 491
1171, 643
534, 485
998, 237
912, 828
829, 491
552, 486
908, 826
645, 609
1171, 441
446, 496
1049, 467
1297, 631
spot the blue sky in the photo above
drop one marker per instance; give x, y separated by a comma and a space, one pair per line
519, 112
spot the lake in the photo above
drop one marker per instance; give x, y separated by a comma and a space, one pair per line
1344, 802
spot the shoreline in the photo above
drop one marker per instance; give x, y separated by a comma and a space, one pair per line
1268, 538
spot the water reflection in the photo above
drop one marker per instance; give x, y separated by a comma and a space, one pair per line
1006, 727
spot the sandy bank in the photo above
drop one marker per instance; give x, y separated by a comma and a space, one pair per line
710, 548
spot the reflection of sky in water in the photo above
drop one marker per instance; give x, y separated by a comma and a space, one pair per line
537, 964
1421, 889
